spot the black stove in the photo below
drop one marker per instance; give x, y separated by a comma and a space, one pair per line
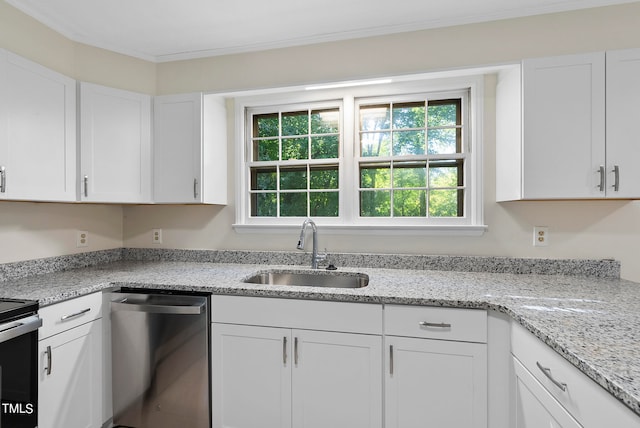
11, 309
19, 324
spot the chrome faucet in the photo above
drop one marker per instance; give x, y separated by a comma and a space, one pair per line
315, 257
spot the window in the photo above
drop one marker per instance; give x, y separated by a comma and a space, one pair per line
294, 164
412, 160
354, 158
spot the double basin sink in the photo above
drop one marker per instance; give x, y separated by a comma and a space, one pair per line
314, 278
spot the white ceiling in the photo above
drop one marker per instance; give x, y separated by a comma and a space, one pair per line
166, 30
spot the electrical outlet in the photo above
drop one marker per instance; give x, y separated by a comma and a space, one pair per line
156, 236
82, 238
540, 236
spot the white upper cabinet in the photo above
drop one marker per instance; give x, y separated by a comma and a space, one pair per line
189, 144
623, 112
551, 135
565, 128
115, 145
37, 132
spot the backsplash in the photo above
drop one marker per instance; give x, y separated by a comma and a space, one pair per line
605, 268
21, 269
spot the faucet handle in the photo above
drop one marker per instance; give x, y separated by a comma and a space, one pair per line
329, 262
320, 257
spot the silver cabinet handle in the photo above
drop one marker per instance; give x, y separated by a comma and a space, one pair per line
77, 314
434, 324
48, 368
86, 186
3, 180
195, 188
284, 350
601, 185
391, 360
295, 351
547, 373
616, 178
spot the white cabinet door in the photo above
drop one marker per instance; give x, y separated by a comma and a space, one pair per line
337, 380
435, 383
564, 127
177, 148
304, 378
535, 407
251, 376
70, 378
115, 145
189, 149
623, 111
37, 131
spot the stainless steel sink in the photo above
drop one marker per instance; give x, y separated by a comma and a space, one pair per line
311, 279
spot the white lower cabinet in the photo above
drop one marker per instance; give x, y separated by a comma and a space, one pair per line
336, 380
299, 378
280, 377
435, 377
432, 383
535, 407
70, 365
250, 371
551, 392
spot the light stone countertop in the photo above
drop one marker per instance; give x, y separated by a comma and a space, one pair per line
592, 322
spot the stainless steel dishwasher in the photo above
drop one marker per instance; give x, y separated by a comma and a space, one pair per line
160, 359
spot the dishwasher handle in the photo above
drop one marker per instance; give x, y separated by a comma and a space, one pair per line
124, 305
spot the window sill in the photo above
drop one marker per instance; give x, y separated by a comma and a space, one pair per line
382, 230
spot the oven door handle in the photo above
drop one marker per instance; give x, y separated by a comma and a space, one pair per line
17, 328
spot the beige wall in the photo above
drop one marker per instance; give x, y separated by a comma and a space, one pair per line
36, 230
602, 229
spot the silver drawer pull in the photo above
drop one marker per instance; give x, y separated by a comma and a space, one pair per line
77, 314
547, 373
434, 324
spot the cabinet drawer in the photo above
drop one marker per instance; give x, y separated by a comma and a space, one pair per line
68, 314
302, 314
535, 407
587, 401
466, 325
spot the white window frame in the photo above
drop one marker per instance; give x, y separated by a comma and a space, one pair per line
417, 221
248, 162
349, 220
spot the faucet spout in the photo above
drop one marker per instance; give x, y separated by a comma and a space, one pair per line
314, 254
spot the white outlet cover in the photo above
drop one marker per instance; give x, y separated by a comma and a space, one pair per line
540, 236
82, 238
156, 236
